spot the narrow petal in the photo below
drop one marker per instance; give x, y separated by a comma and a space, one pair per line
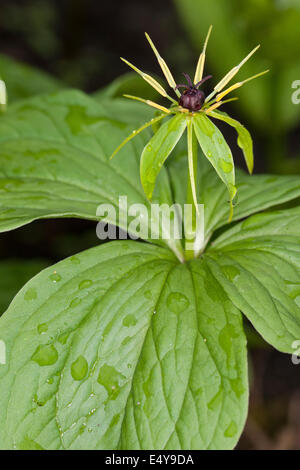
165, 69
201, 61
149, 103
239, 84
136, 132
154, 83
229, 76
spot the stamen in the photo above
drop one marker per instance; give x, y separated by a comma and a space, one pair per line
239, 84
149, 103
201, 61
216, 105
154, 83
165, 69
219, 87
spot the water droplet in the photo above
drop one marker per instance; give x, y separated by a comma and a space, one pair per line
79, 368
63, 338
75, 302
42, 328
215, 402
82, 428
231, 430
45, 355
148, 294
109, 377
129, 320
231, 272
31, 294
85, 284
226, 336
177, 302
226, 166
55, 277
28, 444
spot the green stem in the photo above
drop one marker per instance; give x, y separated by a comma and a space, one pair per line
191, 218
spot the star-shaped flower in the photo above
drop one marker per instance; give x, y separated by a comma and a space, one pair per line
192, 110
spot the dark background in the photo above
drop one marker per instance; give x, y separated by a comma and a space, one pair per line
80, 42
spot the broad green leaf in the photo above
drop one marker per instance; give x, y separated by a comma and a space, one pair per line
255, 193
23, 81
122, 347
216, 150
13, 275
258, 264
244, 137
158, 149
54, 158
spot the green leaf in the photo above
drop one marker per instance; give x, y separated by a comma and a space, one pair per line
258, 264
23, 81
216, 150
13, 275
255, 193
244, 137
54, 158
122, 347
158, 149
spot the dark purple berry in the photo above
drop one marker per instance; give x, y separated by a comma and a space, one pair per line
192, 98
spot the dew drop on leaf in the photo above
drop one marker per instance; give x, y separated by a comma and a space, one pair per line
129, 320
226, 166
45, 355
177, 302
55, 277
110, 379
85, 284
231, 272
215, 402
31, 294
75, 302
42, 328
79, 368
231, 430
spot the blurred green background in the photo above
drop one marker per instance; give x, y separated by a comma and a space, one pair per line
46, 45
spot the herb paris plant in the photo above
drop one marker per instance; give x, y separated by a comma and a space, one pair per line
192, 111
123, 346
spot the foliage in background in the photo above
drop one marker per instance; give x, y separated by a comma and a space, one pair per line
14, 273
23, 81
238, 26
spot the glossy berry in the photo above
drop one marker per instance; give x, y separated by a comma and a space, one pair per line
192, 98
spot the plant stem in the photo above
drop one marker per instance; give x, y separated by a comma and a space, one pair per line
190, 222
